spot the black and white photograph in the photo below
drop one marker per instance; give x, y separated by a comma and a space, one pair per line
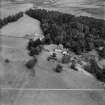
52, 97
52, 49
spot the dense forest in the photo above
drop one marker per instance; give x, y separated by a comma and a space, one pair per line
79, 34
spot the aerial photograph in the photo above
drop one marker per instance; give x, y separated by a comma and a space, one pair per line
52, 52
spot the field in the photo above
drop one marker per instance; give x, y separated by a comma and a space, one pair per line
52, 97
91, 8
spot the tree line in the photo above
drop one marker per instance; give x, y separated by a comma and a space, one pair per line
9, 19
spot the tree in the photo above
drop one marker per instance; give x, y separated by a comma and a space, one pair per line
96, 70
10, 19
31, 63
65, 59
58, 68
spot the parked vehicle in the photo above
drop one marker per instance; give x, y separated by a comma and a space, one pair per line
52, 57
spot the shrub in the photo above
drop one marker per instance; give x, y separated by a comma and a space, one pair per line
66, 59
33, 43
34, 47
31, 63
58, 68
7, 60
35, 50
73, 65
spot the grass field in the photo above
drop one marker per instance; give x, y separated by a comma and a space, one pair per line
91, 8
52, 97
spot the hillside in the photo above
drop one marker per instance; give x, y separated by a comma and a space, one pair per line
8, 9
70, 56
91, 8
21, 27
14, 48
